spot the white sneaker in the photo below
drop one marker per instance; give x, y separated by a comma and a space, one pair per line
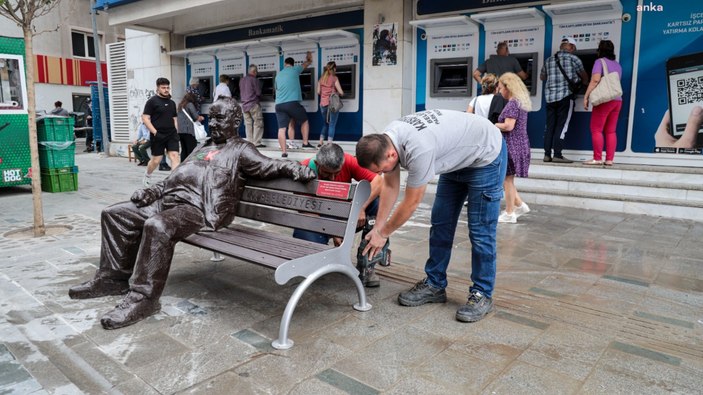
506, 218
292, 145
522, 210
146, 180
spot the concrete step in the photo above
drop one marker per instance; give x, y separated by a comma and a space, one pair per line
672, 192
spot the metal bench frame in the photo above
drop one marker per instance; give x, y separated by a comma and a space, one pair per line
309, 206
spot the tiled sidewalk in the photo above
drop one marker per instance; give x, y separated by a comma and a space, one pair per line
587, 302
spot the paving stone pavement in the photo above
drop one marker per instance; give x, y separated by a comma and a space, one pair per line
586, 302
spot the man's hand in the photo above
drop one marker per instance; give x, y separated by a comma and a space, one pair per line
304, 174
362, 218
376, 243
143, 197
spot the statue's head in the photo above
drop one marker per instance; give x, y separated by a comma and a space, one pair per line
225, 118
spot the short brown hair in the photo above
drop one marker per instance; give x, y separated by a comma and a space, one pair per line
371, 149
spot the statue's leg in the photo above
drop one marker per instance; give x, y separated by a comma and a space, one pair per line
160, 235
121, 231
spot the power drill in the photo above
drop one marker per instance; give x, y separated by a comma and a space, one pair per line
383, 258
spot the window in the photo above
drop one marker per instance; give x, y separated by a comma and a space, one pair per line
11, 92
83, 44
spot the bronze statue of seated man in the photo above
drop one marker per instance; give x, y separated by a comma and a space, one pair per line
139, 236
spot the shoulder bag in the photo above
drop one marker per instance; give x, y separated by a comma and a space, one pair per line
198, 128
573, 86
608, 87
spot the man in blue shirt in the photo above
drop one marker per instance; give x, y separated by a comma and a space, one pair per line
141, 144
288, 97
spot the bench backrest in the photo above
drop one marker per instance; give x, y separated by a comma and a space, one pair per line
319, 206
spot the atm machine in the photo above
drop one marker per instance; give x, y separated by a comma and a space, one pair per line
297, 48
232, 63
202, 66
452, 51
587, 22
523, 29
268, 61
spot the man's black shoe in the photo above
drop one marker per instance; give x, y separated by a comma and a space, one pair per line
98, 287
547, 158
422, 293
475, 308
261, 146
164, 167
561, 159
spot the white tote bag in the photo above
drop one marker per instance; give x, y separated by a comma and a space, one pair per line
198, 128
608, 87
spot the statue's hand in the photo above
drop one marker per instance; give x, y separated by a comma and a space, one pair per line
143, 197
304, 174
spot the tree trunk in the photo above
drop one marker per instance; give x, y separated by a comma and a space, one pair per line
39, 229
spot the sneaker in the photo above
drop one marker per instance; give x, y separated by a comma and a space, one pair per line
291, 145
261, 146
284, 155
422, 293
146, 180
164, 167
308, 145
475, 308
521, 210
506, 218
561, 159
547, 158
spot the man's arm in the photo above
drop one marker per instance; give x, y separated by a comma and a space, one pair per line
308, 60
256, 165
146, 119
477, 75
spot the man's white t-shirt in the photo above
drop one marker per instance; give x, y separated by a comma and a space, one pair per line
441, 141
221, 90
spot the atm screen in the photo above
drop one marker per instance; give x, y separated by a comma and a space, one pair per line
266, 80
234, 85
205, 88
307, 84
528, 64
347, 80
450, 77
588, 58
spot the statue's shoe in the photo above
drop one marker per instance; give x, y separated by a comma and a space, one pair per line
133, 308
98, 287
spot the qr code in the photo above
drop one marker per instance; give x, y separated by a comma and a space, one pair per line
689, 90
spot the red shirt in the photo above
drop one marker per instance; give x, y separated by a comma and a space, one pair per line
350, 170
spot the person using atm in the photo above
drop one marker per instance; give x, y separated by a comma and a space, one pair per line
502, 63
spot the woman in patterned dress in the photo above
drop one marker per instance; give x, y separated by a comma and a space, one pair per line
513, 123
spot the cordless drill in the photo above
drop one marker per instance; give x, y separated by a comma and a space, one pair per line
363, 263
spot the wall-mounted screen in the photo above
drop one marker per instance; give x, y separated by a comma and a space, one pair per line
528, 64
307, 83
234, 85
347, 80
205, 88
268, 87
588, 58
450, 77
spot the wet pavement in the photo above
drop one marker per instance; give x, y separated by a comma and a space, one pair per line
586, 302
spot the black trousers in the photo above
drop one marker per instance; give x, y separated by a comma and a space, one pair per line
138, 242
558, 118
188, 144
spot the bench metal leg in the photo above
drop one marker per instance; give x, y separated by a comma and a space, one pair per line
283, 343
216, 257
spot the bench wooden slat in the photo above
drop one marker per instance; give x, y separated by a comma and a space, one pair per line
207, 242
286, 184
267, 242
297, 202
328, 226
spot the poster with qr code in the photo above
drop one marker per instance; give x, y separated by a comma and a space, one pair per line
667, 102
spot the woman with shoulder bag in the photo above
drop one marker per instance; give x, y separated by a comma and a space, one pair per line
186, 132
326, 86
604, 117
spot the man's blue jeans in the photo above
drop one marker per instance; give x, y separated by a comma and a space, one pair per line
328, 130
484, 187
322, 238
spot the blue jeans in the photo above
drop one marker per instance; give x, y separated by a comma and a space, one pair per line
322, 238
328, 130
484, 187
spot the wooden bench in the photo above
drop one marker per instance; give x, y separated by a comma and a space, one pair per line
322, 206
